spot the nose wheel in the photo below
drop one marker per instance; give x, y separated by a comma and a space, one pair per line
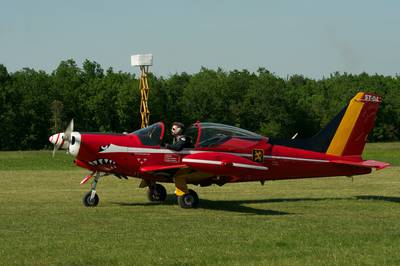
90, 201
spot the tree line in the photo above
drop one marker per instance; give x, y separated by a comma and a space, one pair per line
35, 104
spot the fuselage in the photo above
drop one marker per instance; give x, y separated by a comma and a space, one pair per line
124, 154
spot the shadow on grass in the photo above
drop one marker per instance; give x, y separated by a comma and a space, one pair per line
219, 205
379, 198
239, 205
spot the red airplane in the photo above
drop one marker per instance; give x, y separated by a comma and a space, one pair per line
220, 154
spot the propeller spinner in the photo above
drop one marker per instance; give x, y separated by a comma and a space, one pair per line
63, 140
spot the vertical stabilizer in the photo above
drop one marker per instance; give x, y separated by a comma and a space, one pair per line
358, 120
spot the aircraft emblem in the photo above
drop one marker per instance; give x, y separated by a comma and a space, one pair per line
258, 155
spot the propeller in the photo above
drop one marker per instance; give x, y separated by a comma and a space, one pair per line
68, 131
61, 139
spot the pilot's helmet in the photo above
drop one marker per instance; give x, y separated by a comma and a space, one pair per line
177, 128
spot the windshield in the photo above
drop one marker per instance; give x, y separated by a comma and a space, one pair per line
151, 135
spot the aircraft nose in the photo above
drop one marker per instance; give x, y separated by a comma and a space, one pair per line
54, 138
58, 139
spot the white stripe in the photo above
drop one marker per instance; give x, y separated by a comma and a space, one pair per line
250, 166
201, 161
296, 159
242, 165
122, 149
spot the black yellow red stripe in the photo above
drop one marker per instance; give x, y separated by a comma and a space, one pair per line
346, 126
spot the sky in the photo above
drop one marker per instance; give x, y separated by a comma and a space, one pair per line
310, 38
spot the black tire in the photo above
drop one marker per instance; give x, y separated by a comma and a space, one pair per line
157, 193
189, 200
90, 203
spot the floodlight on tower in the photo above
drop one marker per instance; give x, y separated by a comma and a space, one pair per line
143, 61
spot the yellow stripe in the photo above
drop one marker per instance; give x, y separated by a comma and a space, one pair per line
346, 126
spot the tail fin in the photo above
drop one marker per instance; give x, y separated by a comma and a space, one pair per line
358, 120
346, 134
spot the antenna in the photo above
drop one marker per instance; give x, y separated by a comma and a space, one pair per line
143, 61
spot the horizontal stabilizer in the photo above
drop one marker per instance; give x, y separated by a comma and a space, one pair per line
369, 163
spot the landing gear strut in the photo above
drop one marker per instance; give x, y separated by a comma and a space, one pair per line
157, 192
91, 199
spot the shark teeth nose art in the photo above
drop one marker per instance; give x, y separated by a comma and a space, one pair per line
103, 162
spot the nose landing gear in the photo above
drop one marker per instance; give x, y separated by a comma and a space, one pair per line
91, 199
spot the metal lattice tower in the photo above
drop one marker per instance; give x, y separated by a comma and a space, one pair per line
143, 61
144, 94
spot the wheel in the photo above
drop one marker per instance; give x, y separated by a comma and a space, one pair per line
157, 193
189, 200
90, 203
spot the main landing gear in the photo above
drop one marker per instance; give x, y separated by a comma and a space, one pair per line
157, 192
187, 198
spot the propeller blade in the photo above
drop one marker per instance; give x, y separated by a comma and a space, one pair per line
68, 131
56, 147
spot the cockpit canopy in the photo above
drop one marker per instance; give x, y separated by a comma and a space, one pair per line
199, 134
209, 134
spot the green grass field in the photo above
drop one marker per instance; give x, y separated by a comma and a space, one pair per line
331, 221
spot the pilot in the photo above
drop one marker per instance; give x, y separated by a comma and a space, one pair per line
180, 140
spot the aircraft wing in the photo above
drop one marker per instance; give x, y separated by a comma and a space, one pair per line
158, 168
368, 163
220, 163
201, 166
163, 173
